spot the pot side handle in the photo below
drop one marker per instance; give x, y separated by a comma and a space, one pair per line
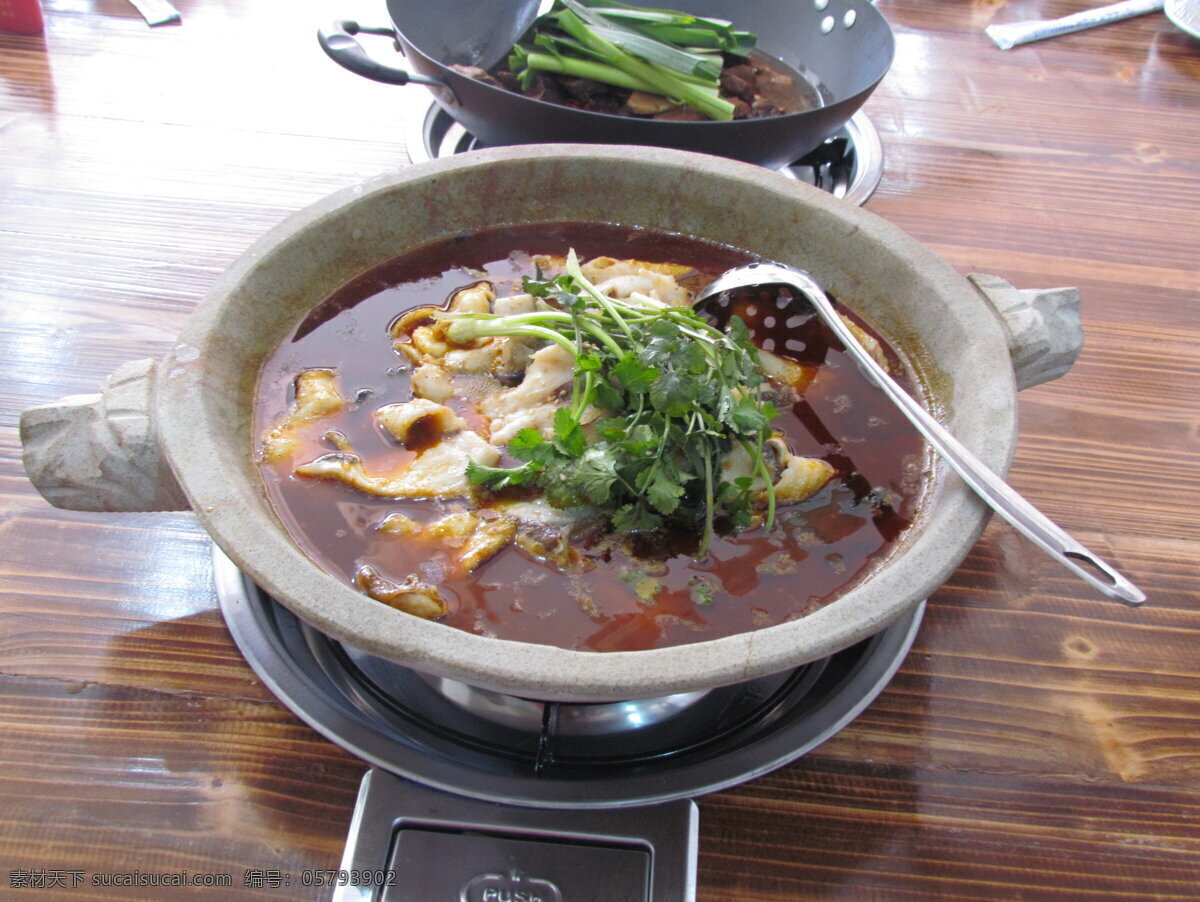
100, 452
337, 40
1043, 327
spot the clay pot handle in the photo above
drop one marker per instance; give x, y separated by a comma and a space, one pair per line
101, 452
1044, 331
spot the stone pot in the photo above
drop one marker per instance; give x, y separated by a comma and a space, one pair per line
177, 433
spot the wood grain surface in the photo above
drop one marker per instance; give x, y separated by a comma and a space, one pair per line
1038, 742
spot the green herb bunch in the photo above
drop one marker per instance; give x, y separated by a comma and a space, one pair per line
674, 393
659, 51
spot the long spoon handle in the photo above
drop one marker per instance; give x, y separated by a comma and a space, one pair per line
1011, 35
1035, 525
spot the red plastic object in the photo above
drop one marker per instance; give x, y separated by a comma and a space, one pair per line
21, 16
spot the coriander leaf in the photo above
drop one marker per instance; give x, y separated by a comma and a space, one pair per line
526, 444
497, 478
569, 439
634, 375
607, 397
635, 518
669, 464
558, 485
595, 474
707, 393
637, 439
664, 493
746, 417
589, 363
611, 429
723, 408
734, 499
738, 331
674, 393
664, 343
695, 360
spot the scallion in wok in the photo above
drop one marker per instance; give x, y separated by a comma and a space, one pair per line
657, 51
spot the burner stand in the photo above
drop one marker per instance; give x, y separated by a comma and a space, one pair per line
848, 165
395, 719
462, 807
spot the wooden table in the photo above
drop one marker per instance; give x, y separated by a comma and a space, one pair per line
1038, 743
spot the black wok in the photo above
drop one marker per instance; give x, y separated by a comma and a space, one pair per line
847, 60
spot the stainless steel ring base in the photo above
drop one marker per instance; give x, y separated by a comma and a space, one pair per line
406, 724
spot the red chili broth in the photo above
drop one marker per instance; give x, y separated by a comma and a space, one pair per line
817, 549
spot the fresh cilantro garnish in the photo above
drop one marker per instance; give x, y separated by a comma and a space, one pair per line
676, 394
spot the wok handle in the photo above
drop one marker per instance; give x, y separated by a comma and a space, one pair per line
337, 40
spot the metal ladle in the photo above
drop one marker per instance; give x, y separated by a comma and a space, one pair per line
993, 490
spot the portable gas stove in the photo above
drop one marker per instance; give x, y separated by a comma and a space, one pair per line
475, 796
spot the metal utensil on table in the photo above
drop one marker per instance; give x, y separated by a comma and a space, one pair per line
993, 490
1011, 35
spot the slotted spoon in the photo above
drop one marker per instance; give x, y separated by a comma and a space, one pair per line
807, 296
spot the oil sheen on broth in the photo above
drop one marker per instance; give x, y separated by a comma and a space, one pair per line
632, 599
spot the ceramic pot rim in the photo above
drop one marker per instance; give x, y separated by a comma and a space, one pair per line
203, 420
